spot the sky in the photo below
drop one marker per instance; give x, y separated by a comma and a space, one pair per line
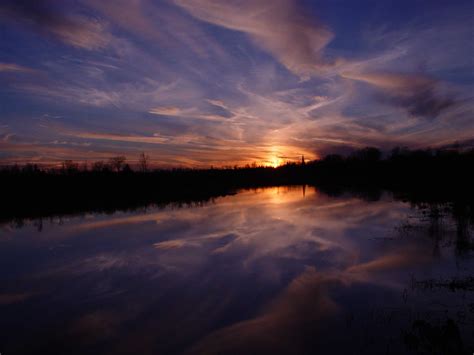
196, 83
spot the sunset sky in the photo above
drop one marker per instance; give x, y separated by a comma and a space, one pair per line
208, 82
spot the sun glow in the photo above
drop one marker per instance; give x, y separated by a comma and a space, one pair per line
279, 155
275, 162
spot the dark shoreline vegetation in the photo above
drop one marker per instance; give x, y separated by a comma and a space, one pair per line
422, 177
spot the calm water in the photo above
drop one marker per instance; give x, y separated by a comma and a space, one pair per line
277, 270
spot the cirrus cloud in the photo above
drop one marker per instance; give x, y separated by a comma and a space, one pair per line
417, 94
280, 27
46, 17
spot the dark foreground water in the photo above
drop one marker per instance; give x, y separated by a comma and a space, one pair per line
269, 271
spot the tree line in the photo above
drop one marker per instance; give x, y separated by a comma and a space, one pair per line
418, 175
367, 157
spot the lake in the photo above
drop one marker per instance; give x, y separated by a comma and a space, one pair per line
281, 270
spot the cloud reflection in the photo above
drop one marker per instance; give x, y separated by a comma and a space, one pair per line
276, 270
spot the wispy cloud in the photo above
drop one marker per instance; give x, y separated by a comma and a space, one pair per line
279, 26
160, 23
15, 68
215, 112
415, 93
47, 17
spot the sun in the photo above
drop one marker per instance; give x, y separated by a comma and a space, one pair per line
275, 162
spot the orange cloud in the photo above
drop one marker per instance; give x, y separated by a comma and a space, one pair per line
390, 262
12, 67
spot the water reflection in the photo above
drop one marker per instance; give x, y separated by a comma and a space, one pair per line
276, 270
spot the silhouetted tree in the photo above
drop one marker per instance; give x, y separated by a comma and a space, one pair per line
69, 167
333, 158
117, 163
127, 169
85, 166
31, 168
368, 154
143, 160
399, 152
100, 166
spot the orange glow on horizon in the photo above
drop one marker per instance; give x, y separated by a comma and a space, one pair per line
275, 162
280, 155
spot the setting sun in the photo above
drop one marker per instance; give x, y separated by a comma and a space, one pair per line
279, 155
276, 162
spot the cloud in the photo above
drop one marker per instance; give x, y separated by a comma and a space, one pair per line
279, 26
10, 298
129, 14
188, 92
155, 139
119, 221
390, 262
162, 24
12, 67
171, 111
96, 325
75, 93
75, 30
282, 327
417, 94
212, 111
170, 244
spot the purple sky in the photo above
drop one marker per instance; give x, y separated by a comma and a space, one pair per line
209, 82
